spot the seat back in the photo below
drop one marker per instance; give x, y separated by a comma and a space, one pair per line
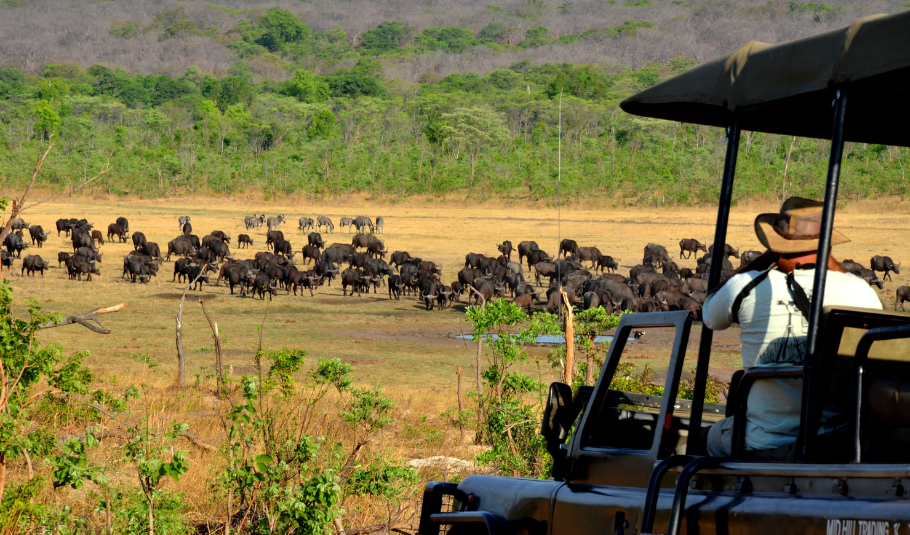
885, 396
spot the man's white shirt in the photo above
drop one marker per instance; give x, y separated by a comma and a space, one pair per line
774, 334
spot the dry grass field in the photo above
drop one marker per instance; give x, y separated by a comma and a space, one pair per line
398, 344
395, 343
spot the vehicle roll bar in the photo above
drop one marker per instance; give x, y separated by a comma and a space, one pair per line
821, 265
717, 264
861, 355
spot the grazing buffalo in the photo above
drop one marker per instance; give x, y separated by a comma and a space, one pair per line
658, 251
354, 278
506, 249
746, 257
273, 236
61, 258
607, 263
728, 251
182, 269
376, 250
82, 239
704, 264
537, 256
283, 248
311, 252
524, 248
324, 222
181, 247
902, 294
221, 236
78, 265
151, 250
336, 255
19, 224
221, 251
690, 246
38, 235
877, 263
139, 240
33, 263
139, 268
63, 225
240, 276
116, 230
869, 276
400, 258
525, 301
589, 254
315, 239
567, 247
244, 241
14, 243
97, 237
364, 240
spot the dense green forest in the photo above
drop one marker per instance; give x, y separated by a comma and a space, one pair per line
355, 130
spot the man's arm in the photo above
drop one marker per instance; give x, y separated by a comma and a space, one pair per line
762, 263
717, 311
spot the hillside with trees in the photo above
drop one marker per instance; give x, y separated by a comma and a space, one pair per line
394, 98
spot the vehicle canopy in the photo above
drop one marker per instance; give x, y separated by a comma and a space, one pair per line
799, 88
788, 88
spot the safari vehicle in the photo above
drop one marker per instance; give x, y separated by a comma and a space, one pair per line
630, 466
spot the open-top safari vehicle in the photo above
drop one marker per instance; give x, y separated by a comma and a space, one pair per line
630, 466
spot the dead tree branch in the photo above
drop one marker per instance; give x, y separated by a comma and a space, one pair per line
84, 319
181, 354
219, 366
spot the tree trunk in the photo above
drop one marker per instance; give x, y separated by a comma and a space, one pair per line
569, 329
479, 436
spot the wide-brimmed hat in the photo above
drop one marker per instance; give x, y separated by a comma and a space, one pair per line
795, 229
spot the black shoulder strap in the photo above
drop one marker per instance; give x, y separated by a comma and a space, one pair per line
799, 295
745, 292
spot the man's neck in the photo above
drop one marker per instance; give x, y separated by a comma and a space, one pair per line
789, 263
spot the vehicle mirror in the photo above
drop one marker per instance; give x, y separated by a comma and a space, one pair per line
554, 428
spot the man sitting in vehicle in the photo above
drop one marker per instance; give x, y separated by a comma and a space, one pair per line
770, 299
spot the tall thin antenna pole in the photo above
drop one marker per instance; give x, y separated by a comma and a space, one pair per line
559, 200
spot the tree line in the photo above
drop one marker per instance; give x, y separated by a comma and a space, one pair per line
354, 130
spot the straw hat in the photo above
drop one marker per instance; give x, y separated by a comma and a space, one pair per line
795, 229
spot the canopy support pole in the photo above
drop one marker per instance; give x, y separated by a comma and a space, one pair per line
717, 264
821, 266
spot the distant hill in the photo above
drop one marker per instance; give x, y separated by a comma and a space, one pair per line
414, 38
393, 99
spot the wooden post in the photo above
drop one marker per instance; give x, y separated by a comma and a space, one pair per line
460, 401
460, 398
569, 329
479, 437
219, 366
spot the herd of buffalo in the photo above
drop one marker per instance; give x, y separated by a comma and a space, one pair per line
586, 277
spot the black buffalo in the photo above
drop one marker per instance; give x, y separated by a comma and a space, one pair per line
690, 246
524, 248
33, 263
879, 263
37, 234
139, 240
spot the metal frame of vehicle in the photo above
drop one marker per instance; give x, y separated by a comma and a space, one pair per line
838, 483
